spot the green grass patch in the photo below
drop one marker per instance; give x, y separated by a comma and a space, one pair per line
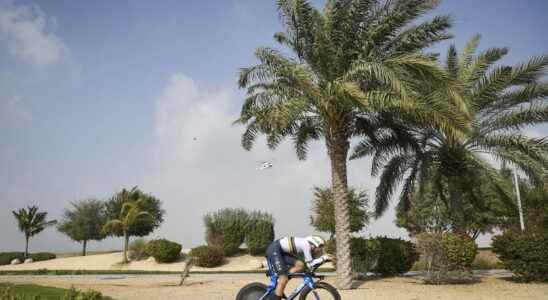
37, 292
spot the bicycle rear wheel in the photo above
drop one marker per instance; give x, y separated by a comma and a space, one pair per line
323, 291
252, 291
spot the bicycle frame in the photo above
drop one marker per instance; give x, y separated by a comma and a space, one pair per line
308, 280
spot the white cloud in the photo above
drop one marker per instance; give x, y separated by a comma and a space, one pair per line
12, 111
199, 166
25, 34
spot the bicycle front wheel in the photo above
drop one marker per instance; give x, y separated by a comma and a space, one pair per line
323, 291
252, 291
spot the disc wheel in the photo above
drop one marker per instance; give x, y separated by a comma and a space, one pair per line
323, 291
252, 291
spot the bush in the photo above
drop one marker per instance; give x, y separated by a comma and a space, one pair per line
524, 253
396, 256
137, 250
73, 294
226, 229
207, 256
41, 256
7, 257
448, 257
163, 251
365, 253
260, 233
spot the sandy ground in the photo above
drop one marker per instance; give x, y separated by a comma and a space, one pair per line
111, 261
226, 286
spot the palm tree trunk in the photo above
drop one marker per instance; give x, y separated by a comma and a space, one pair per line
26, 246
456, 211
84, 244
338, 153
126, 243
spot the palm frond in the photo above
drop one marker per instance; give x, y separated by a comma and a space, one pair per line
391, 176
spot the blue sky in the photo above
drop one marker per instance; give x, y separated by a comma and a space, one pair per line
100, 95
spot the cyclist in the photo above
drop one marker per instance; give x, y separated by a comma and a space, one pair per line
282, 255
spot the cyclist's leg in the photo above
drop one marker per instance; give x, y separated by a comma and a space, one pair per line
276, 257
296, 264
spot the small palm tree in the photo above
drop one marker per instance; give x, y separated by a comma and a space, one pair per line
31, 222
500, 101
129, 215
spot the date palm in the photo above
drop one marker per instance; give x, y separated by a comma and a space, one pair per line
501, 100
31, 222
348, 63
130, 214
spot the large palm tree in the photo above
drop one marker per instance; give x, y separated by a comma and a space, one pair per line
349, 63
501, 100
130, 214
31, 222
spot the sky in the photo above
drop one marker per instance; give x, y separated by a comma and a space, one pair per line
96, 96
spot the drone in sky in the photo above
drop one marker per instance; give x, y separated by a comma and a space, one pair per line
264, 165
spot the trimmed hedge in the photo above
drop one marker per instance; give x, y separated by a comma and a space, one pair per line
384, 256
365, 254
41, 256
448, 257
396, 256
163, 251
207, 256
260, 233
524, 253
7, 257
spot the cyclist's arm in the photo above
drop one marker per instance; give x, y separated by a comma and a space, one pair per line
309, 260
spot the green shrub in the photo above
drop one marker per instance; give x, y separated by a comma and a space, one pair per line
330, 247
524, 253
396, 256
7, 257
90, 295
226, 228
260, 233
73, 294
482, 263
137, 250
41, 256
365, 253
163, 251
448, 257
207, 256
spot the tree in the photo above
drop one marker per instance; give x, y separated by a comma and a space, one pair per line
150, 204
31, 222
534, 199
428, 213
351, 63
128, 220
499, 102
130, 215
323, 210
84, 222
